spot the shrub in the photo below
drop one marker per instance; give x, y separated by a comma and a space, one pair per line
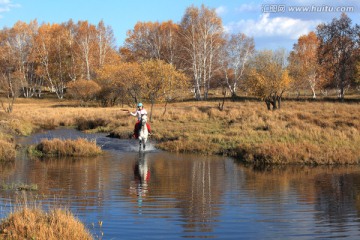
76, 148
85, 90
34, 223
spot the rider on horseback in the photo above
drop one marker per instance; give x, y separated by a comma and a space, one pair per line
140, 111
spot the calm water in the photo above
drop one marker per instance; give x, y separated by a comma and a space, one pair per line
159, 195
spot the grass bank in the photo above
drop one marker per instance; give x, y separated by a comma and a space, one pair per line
11, 126
34, 223
299, 133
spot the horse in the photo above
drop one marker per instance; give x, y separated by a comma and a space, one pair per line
144, 133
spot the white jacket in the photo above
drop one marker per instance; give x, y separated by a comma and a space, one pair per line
139, 113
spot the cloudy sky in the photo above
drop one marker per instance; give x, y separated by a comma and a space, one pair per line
273, 23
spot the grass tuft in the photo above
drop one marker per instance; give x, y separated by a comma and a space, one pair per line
7, 151
34, 223
60, 148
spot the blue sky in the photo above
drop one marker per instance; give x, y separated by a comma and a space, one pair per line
272, 23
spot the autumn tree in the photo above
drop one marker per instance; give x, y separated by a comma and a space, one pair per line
121, 81
19, 42
9, 77
268, 77
235, 54
338, 49
171, 44
73, 62
151, 40
86, 41
164, 82
84, 90
357, 74
8, 85
144, 41
303, 63
50, 46
201, 38
105, 43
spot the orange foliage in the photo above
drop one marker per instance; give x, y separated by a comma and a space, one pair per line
85, 90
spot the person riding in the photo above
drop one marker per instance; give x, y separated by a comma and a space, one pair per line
140, 111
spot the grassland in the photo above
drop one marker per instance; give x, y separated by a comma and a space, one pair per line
299, 133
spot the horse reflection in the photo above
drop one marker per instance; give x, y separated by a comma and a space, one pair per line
141, 175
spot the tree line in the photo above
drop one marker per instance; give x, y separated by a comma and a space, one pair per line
159, 61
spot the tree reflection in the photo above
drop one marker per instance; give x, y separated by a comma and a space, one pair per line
333, 190
6, 169
197, 186
83, 179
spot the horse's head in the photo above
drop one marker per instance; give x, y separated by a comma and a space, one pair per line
143, 119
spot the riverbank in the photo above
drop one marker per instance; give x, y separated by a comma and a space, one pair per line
299, 133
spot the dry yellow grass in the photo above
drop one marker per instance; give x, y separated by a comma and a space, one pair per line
34, 223
301, 132
7, 151
60, 148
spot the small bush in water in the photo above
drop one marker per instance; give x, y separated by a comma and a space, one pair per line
57, 147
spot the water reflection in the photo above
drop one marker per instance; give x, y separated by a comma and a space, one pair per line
176, 195
139, 186
6, 169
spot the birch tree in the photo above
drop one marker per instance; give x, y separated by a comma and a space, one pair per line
235, 54
86, 41
9, 83
105, 42
51, 55
201, 35
303, 63
20, 41
73, 59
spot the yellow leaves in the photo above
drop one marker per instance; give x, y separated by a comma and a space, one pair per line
151, 40
85, 90
267, 75
303, 60
153, 79
285, 79
120, 74
164, 81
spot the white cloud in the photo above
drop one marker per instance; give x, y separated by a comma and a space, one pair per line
248, 7
221, 10
265, 26
6, 6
